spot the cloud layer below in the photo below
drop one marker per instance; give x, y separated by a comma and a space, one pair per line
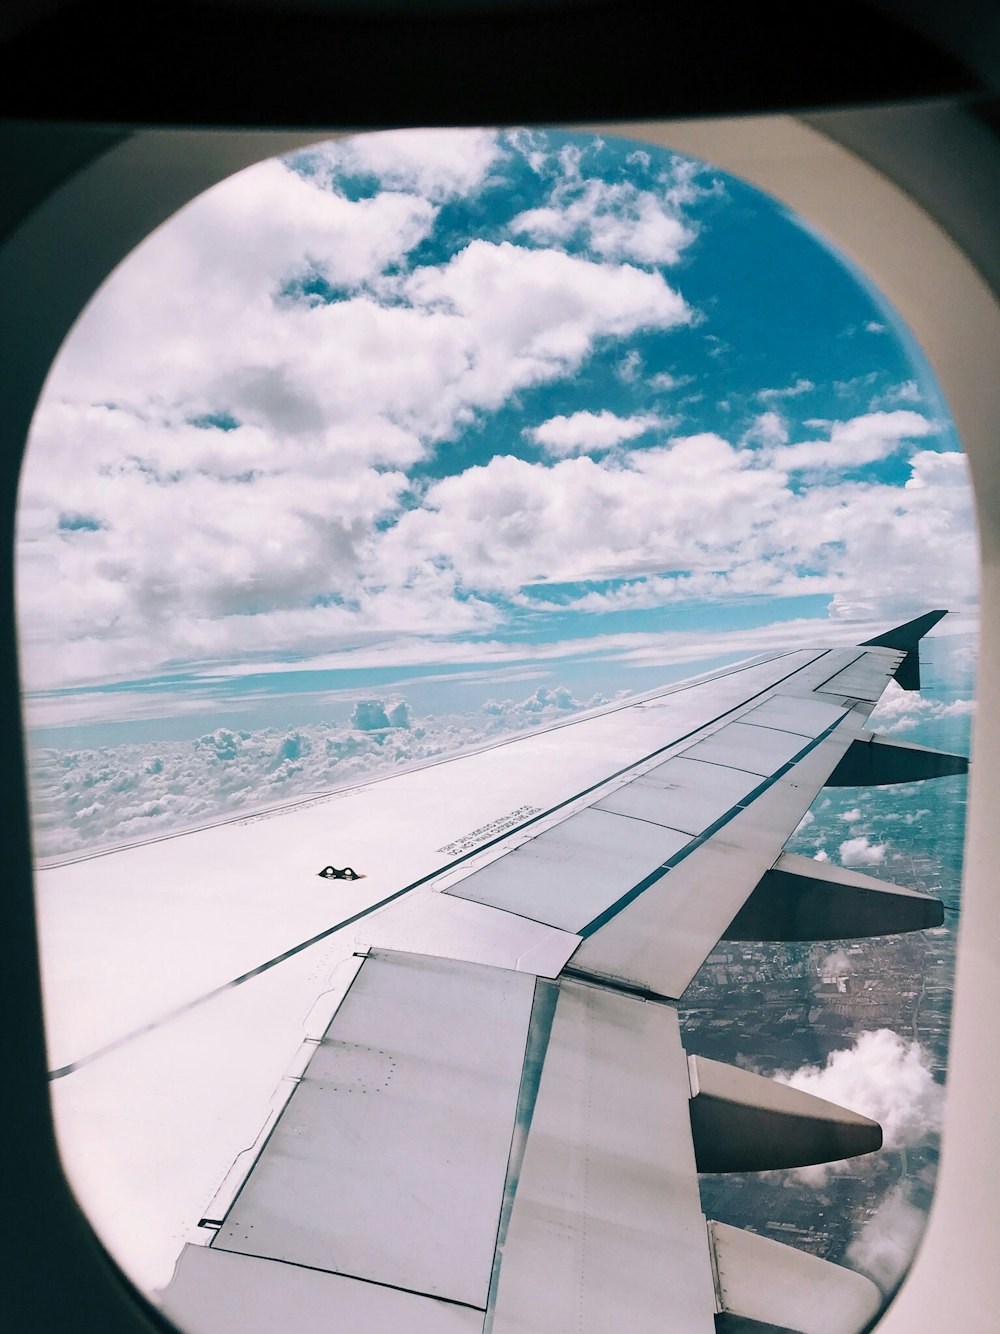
83, 799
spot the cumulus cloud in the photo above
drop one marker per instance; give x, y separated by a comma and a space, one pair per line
290, 450
545, 702
851, 444
835, 964
616, 220
800, 386
436, 164
85, 798
285, 449
883, 1076
590, 432
907, 391
664, 381
861, 851
769, 429
646, 515
902, 710
513, 523
529, 315
375, 715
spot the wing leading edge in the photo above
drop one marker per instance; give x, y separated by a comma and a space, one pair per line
506, 1137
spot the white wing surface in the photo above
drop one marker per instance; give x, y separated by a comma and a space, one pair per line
492, 1124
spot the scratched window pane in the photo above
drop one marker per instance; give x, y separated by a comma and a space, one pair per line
411, 444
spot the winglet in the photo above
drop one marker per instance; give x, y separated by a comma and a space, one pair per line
907, 637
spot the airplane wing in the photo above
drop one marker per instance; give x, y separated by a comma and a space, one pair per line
492, 1124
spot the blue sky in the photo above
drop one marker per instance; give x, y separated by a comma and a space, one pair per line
454, 414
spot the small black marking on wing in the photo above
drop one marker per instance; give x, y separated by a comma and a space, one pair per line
332, 873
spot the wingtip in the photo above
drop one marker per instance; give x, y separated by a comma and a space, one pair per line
909, 634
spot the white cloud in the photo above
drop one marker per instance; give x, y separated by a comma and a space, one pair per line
883, 1076
629, 368
285, 450
908, 391
769, 429
98, 798
641, 517
326, 404
639, 648
374, 715
533, 314
835, 964
616, 220
216, 266
886, 1244
590, 432
902, 710
939, 471
861, 851
438, 164
546, 702
664, 381
513, 523
851, 444
800, 386
850, 817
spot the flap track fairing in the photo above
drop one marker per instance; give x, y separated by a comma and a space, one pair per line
874, 761
744, 1122
802, 899
780, 1287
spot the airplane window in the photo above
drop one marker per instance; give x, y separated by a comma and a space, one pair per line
398, 450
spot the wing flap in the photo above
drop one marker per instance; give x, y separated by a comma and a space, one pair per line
388, 1163
476, 1142
794, 713
606, 1224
